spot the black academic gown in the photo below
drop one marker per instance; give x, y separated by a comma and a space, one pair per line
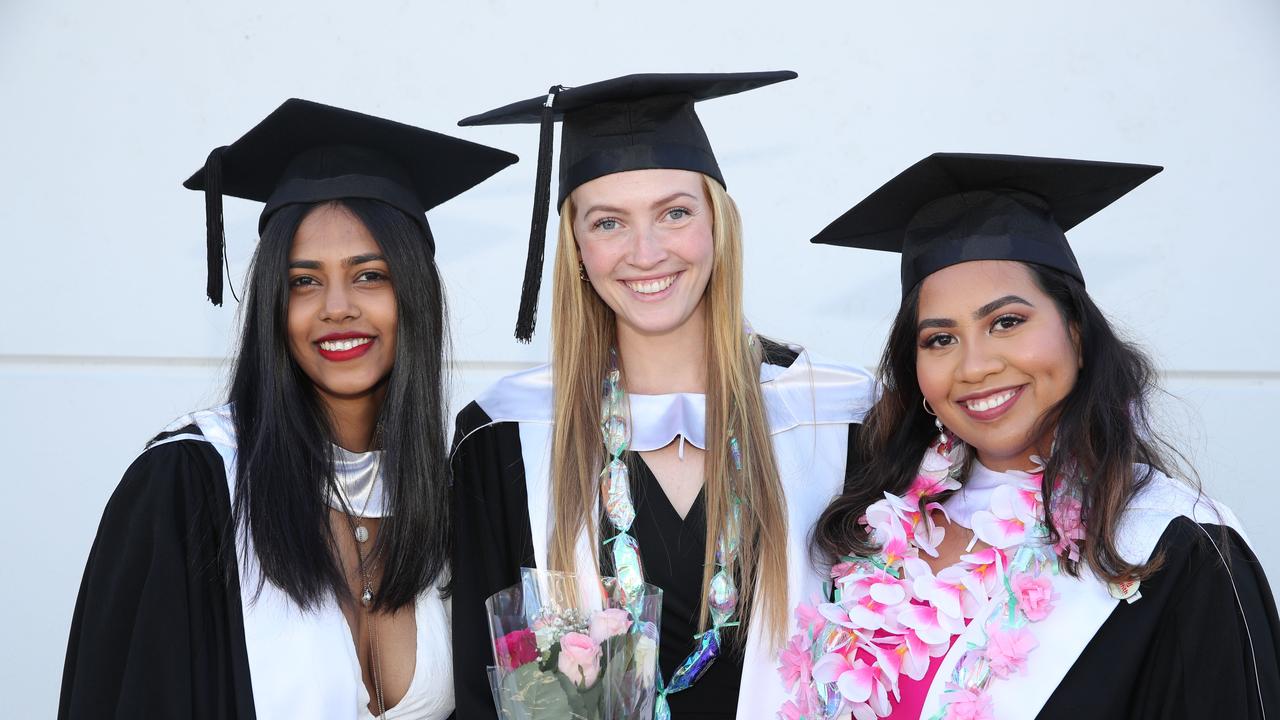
1202, 642
493, 541
157, 630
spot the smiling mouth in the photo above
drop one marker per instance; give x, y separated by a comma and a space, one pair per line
991, 402
650, 287
343, 345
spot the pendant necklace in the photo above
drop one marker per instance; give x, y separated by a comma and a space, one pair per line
361, 534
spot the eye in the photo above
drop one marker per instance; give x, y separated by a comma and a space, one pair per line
372, 276
300, 281
606, 224
678, 213
1007, 322
938, 340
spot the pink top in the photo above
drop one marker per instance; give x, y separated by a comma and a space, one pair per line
912, 692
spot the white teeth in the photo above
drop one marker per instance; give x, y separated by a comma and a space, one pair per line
649, 287
990, 401
340, 345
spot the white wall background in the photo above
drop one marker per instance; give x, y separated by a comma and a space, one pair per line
106, 107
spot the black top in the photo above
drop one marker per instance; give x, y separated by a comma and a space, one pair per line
493, 541
158, 630
951, 208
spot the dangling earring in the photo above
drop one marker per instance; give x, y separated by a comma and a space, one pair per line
582, 271
937, 422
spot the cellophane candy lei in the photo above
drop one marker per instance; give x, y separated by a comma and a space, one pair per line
893, 610
615, 489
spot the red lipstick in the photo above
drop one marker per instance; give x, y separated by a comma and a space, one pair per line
361, 344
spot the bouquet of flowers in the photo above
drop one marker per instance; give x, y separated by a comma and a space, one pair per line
565, 651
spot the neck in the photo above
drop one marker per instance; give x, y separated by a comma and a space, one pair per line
671, 362
353, 420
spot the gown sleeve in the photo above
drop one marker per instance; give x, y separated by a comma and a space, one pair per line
1202, 642
492, 542
158, 629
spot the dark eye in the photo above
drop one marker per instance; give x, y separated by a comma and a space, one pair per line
372, 276
938, 340
301, 281
605, 224
1007, 322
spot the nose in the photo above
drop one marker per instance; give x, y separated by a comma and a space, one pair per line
339, 305
978, 361
647, 249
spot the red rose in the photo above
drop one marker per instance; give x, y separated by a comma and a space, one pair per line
516, 648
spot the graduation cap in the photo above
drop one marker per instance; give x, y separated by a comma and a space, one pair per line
636, 122
951, 208
306, 152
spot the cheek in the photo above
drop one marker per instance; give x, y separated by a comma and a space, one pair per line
598, 257
934, 381
297, 325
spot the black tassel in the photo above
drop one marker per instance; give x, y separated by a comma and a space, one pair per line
528, 316
214, 239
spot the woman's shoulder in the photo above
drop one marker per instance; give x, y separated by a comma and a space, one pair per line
1163, 502
802, 388
175, 456
523, 396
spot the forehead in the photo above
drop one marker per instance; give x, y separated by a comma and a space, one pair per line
331, 230
636, 188
962, 288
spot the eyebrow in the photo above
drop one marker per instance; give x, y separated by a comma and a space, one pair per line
657, 203
349, 262
978, 314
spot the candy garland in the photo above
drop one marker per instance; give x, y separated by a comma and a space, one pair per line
615, 490
893, 610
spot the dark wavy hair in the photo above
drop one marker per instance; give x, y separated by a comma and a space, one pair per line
284, 465
1102, 428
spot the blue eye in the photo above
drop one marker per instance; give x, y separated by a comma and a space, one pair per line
605, 224
678, 213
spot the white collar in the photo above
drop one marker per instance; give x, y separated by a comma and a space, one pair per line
809, 391
359, 478
975, 494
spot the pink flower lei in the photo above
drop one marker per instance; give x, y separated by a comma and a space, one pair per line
893, 608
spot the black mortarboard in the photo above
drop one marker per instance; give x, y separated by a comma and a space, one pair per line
636, 122
951, 208
305, 152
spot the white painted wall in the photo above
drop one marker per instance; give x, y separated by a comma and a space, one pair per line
106, 107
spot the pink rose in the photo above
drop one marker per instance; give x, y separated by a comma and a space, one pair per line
579, 659
1007, 650
608, 623
969, 705
515, 649
1035, 595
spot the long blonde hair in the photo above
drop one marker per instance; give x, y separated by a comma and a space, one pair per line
583, 329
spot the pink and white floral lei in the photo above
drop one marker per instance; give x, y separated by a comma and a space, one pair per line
893, 614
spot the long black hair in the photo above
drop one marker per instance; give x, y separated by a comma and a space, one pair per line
1102, 428
284, 464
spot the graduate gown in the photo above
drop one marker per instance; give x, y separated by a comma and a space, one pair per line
1199, 639
501, 505
169, 622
